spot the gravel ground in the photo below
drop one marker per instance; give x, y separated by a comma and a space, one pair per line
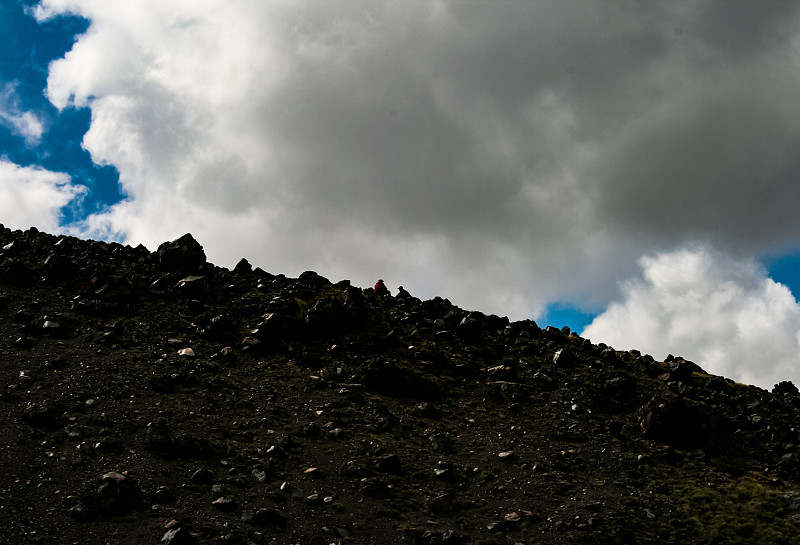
152, 397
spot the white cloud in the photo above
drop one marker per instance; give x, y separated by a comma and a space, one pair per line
723, 313
24, 124
34, 197
503, 156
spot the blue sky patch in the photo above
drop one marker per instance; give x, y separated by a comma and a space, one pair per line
26, 51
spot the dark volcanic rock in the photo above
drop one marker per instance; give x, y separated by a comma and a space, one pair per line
675, 422
314, 412
785, 387
243, 267
183, 255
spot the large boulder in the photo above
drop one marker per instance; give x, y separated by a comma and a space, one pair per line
183, 255
675, 422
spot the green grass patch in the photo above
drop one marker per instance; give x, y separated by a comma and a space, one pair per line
744, 510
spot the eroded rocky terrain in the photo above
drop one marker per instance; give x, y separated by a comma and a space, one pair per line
154, 398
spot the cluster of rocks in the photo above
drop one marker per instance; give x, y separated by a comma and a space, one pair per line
152, 397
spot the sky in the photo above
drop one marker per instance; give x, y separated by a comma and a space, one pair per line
625, 168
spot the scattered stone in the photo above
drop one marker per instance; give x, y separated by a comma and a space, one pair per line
224, 504
268, 517
450, 537
45, 415
116, 495
51, 326
390, 463
512, 517
313, 499
164, 495
565, 358
203, 476
226, 352
373, 487
471, 326
193, 286
177, 536
78, 510
24, 342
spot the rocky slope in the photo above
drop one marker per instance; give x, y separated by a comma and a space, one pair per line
156, 398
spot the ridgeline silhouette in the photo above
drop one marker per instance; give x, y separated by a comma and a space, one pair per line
152, 397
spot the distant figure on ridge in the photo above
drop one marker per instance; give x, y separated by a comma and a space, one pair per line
402, 294
380, 289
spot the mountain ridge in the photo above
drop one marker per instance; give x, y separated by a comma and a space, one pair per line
153, 397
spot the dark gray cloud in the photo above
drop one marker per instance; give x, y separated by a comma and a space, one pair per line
744, 30
716, 161
505, 154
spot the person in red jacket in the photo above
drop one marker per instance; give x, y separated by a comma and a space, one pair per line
381, 289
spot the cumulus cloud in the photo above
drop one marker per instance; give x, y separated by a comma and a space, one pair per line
721, 312
24, 124
31, 196
504, 156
